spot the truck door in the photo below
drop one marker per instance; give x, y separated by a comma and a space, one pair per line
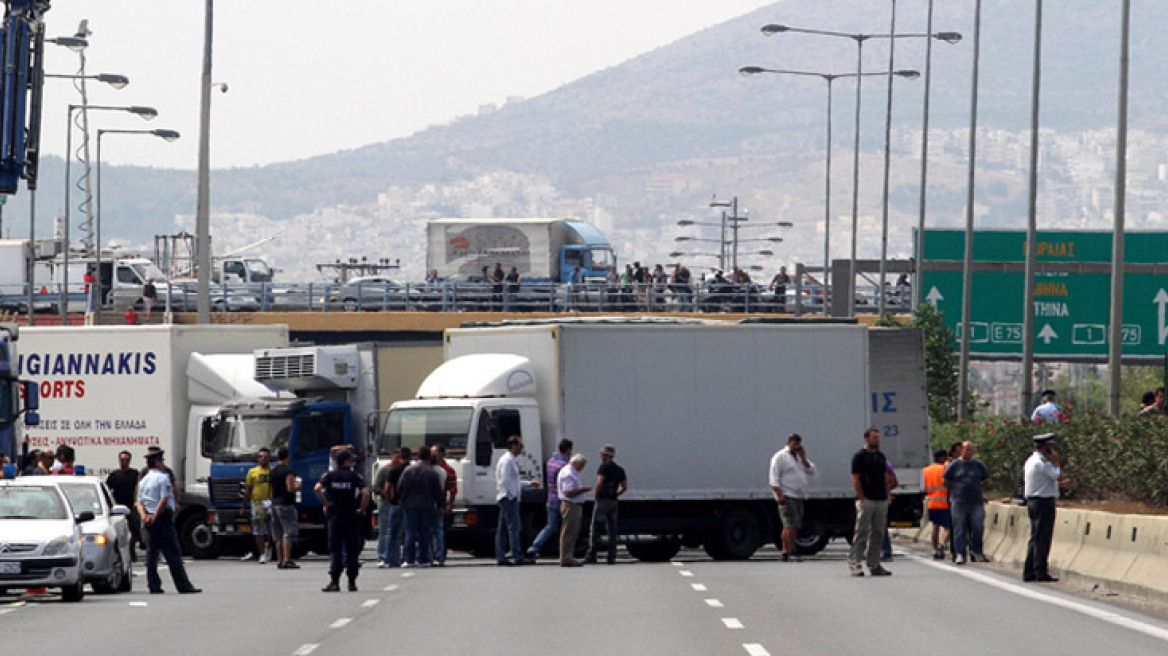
494, 427
570, 258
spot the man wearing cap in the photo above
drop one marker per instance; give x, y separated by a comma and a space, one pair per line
611, 483
345, 498
937, 499
1042, 473
1048, 410
788, 478
156, 507
870, 481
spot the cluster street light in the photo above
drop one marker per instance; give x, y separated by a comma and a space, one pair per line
859, 39
168, 135
147, 113
830, 78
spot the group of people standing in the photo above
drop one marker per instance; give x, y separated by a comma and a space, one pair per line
954, 490
414, 499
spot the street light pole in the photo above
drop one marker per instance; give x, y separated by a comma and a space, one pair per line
887, 168
203, 211
1027, 401
967, 269
924, 184
1115, 345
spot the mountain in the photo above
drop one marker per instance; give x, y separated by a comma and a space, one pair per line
648, 141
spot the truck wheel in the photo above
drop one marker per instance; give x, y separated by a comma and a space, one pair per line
73, 592
197, 539
811, 542
654, 551
738, 538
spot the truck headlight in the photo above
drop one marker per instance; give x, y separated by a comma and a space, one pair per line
58, 547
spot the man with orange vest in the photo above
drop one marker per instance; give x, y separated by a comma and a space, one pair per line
938, 500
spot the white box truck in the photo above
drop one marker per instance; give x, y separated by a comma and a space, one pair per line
105, 389
694, 410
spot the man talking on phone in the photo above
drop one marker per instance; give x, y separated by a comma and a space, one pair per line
1042, 473
788, 478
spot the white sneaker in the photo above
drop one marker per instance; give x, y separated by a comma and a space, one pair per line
247, 556
960, 559
263, 558
381, 564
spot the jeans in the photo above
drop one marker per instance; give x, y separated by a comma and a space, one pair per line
604, 515
1041, 511
419, 536
968, 523
508, 531
550, 530
344, 540
164, 541
439, 539
389, 535
867, 538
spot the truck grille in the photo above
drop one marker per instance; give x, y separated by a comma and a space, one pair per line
285, 366
226, 490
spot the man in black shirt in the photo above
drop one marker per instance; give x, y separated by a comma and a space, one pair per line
123, 482
338, 491
611, 482
419, 491
285, 524
870, 480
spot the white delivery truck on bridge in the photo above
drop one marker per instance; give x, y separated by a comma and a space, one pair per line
695, 411
105, 389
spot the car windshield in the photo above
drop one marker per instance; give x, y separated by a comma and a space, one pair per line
426, 427
241, 438
17, 502
83, 496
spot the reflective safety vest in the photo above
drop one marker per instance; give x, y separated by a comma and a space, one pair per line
935, 492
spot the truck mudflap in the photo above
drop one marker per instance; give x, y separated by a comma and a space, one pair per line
906, 510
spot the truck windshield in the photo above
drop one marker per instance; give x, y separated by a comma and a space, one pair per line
259, 270
240, 439
417, 427
602, 258
147, 270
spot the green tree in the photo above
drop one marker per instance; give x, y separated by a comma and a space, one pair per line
940, 362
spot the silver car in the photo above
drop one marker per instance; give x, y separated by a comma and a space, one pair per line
40, 538
107, 561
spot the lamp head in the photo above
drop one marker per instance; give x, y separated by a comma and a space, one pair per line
948, 37
676, 254
767, 253
74, 43
682, 238
169, 135
685, 222
147, 113
773, 29
909, 75
747, 71
114, 80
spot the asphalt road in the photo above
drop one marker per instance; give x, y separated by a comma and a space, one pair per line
690, 606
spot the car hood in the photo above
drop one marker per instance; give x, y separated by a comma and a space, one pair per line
35, 530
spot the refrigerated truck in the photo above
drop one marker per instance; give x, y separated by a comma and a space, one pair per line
694, 410
542, 250
105, 389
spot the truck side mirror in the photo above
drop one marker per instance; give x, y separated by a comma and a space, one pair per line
32, 402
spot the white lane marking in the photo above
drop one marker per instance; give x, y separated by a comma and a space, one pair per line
340, 623
305, 650
714, 603
698, 587
676, 563
5, 611
370, 603
685, 572
139, 604
406, 575
732, 623
390, 588
755, 649
1090, 611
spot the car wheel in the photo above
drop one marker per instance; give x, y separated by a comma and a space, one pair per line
74, 592
113, 581
349, 305
127, 584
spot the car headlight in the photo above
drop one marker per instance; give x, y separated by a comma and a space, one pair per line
98, 539
58, 547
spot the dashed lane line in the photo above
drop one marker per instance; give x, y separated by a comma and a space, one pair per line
714, 603
732, 623
685, 572
370, 603
755, 649
341, 623
698, 587
390, 588
305, 650
406, 575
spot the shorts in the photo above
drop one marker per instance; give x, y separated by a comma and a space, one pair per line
791, 513
939, 517
261, 520
285, 523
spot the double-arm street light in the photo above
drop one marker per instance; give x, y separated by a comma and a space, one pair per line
114, 80
859, 39
147, 113
168, 135
830, 78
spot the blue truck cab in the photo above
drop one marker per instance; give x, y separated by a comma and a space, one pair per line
593, 254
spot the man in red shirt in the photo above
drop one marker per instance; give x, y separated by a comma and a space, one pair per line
450, 490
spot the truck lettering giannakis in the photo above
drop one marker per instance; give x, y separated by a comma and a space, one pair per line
124, 363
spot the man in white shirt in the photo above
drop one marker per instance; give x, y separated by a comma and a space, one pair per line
788, 478
507, 491
1048, 411
572, 495
1042, 473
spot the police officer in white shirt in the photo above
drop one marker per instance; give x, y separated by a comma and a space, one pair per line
1042, 473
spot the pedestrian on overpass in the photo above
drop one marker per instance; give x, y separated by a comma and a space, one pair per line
611, 483
870, 481
965, 480
345, 498
937, 499
1043, 476
790, 468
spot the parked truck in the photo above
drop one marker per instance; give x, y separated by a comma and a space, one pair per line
17, 397
542, 250
105, 389
695, 412
316, 398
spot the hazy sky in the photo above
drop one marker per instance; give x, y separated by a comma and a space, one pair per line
308, 78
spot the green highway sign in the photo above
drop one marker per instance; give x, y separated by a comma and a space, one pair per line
1071, 310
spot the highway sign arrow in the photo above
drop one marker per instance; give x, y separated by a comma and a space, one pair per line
1047, 333
934, 296
1162, 301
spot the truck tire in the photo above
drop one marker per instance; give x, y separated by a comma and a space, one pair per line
738, 537
811, 542
654, 551
197, 539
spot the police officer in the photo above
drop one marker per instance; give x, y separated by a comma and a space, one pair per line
338, 491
